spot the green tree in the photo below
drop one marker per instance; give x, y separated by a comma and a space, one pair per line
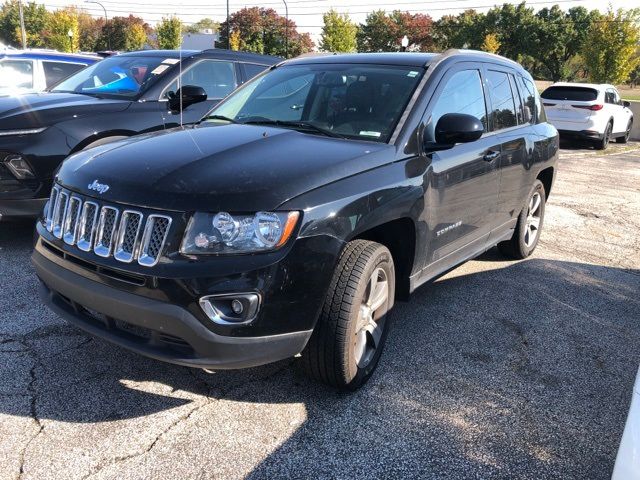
35, 19
466, 30
338, 33
169, 32
89, 30
610, 54
62, 30
121, 33
262, 30
416, 26
379, 33
202, 25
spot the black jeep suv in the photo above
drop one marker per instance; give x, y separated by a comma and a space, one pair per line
120, 96
291, 219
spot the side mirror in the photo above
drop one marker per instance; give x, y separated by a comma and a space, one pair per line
626, 104
190, 94
455, 128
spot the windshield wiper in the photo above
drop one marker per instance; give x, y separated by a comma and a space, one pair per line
221, 117
300, 124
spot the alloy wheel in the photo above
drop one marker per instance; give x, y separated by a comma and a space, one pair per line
532, 225
371, 318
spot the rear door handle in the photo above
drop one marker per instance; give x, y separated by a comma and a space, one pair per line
490, 156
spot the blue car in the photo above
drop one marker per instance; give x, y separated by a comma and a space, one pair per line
36, 70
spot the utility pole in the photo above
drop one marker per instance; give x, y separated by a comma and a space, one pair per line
22, 29
286, 29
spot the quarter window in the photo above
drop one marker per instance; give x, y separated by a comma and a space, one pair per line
463, 93
533, 100
217, 78
503, 112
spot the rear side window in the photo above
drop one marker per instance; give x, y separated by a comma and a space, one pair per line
463, 93
54, 72
579, 94
16, 73
251, 70
503, 113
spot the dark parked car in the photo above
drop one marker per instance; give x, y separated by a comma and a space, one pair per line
290, 222
118, 97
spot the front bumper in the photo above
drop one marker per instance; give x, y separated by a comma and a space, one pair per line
153, 328
21, 208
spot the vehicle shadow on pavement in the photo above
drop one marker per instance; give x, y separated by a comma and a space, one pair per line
520, 371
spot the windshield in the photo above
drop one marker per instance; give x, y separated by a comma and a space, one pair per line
352, 100
118, 76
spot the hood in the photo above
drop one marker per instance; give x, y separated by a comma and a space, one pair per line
35, 110
238, 168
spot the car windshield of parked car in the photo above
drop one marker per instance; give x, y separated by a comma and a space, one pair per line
581, 94
118, 76
359, 101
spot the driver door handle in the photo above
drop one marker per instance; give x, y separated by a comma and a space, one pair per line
490, 156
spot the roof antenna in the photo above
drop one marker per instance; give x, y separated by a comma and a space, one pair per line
180, 74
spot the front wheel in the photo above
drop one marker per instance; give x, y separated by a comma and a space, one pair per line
527, 232
347, 342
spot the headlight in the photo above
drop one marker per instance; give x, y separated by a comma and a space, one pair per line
223, 233
26, 131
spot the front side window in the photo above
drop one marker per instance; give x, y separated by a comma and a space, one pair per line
463, 93
118, 76
217, 78
16, 74
503, 113
359, 101
57, 71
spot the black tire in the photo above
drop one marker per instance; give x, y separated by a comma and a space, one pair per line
627, 133
518, 246
606, 137
331, 355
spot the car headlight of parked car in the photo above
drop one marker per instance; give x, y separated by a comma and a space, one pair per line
224, 233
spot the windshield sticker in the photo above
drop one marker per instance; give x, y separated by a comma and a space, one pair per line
171, 61
159, 69
368, 133
412, 74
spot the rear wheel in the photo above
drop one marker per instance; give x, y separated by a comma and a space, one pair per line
527, 232
627, 133
347, 341
604, 143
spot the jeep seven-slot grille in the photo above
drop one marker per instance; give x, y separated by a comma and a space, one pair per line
106, 230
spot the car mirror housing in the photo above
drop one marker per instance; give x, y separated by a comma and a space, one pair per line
626, 104
454, 128
190, 94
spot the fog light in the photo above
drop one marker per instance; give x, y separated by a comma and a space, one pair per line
19, 167
232, 308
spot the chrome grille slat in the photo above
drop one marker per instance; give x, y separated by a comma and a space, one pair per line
70, 227
154, 237
103, 229
88, 222
127, 239
107, 224
59, 213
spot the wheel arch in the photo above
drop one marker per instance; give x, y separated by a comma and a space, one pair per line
399, 236
546, 177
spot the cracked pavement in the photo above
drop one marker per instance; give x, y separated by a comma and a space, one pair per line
500, 369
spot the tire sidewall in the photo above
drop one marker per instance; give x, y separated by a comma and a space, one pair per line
356, 376
522, 221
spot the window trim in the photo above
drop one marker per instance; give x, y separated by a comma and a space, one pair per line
198, 61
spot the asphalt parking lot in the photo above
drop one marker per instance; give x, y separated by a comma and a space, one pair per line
501, 369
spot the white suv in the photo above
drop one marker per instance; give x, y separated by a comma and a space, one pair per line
588, 111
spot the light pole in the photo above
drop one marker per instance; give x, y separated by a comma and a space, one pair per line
105, 19
286, 29
70, 35
405, 43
